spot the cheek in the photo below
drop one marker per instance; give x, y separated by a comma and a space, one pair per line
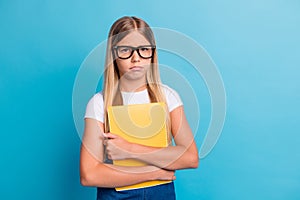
122, 64
147, 61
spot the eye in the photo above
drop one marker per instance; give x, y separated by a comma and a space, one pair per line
124, 49
145, 48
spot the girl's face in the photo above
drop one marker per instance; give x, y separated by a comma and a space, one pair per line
133, 67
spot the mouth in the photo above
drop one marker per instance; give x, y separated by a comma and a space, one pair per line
136, 68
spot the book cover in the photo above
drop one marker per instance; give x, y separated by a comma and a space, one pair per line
143, 124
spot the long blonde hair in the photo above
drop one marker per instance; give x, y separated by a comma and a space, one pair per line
111, 90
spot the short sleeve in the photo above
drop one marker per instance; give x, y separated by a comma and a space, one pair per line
95, 108
172, 98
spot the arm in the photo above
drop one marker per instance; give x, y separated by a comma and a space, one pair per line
183, 155
93, 172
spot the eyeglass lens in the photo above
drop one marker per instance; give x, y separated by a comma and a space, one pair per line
125, 52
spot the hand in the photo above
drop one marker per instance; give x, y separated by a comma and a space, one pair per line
166, 175
116, 147
159, 173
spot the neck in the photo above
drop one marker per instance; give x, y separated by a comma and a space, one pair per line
132, 85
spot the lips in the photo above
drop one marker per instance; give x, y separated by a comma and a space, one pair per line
135, 68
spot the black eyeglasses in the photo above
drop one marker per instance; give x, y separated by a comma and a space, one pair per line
125, 52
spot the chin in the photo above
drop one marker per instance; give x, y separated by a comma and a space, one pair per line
136, 75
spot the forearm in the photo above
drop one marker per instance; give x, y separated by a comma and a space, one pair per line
106, 176
93, 172
171, 158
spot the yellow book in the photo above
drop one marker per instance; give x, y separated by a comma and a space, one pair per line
143, 124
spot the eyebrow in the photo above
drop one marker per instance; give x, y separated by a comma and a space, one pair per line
132, 45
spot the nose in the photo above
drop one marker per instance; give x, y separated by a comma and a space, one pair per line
135, 57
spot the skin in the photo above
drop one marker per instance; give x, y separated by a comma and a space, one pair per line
162, 161
133, 70
93, 172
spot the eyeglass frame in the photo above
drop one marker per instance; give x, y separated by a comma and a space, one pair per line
153, 47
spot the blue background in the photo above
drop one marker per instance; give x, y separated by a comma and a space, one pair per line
254, 44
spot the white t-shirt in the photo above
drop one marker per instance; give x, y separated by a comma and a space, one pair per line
95, 107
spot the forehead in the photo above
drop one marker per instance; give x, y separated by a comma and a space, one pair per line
134, 39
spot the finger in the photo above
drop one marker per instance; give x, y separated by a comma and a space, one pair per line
105, 142
105, 135
109, 135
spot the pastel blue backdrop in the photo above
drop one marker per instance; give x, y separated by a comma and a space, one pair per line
255, 45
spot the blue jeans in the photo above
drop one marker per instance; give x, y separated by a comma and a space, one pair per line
159, 192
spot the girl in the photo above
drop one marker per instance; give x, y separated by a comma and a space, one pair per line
132, 77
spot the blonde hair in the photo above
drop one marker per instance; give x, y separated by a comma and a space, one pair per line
111, 90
